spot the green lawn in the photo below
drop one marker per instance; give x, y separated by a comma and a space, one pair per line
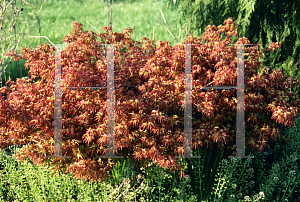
57, 17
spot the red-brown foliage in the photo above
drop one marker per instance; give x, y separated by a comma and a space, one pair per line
144, 122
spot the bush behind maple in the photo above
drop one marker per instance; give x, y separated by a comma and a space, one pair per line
149, 90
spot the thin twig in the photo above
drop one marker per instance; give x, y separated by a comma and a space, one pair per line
42, 37
92, 26
160, 21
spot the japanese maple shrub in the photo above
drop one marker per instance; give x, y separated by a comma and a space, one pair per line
149, 100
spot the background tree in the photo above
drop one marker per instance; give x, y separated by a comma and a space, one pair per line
10, 26
260, 21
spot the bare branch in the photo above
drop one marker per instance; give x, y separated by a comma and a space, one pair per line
92, 26
6, 40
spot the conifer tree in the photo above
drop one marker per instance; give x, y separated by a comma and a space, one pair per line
260, 21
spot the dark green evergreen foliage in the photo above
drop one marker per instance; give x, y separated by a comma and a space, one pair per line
260, 21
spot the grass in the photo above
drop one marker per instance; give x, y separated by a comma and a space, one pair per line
57, 17
236, 180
